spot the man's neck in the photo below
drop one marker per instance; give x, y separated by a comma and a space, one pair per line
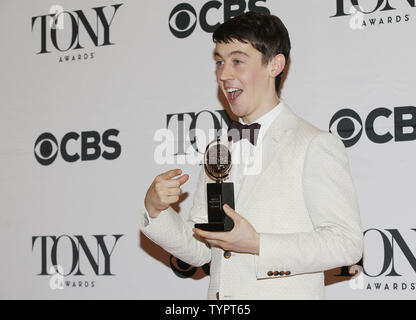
261, 111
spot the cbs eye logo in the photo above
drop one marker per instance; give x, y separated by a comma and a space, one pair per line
46, 147
183, 18
348, 126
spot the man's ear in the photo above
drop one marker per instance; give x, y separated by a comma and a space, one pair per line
277, 64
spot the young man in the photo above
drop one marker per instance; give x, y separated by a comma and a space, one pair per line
293, 219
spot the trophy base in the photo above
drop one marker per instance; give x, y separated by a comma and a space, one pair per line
218, 195
213, 226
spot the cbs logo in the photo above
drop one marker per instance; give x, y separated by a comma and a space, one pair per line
74, 146
348, 126
183, 18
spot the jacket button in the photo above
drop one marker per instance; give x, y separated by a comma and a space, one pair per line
270, 273
217, 295
276, 273
227, 254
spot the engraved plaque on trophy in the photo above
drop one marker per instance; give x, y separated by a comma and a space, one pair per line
217, 164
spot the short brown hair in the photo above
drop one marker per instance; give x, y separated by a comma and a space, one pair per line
265, 32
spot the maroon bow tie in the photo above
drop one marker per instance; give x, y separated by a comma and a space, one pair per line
238, 131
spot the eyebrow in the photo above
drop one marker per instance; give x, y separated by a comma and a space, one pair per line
216, 54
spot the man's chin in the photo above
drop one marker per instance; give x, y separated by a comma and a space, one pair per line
237, 110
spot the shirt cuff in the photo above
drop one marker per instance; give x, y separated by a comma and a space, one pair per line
147, 218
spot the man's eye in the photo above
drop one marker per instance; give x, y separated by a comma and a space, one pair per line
219, 63
238, 61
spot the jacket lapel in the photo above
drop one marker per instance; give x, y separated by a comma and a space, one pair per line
276, 136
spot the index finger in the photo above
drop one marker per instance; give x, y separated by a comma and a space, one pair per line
209, 235
170, 174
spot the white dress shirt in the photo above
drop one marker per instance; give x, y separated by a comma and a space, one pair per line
244, 153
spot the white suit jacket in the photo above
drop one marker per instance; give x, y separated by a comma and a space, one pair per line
303, 205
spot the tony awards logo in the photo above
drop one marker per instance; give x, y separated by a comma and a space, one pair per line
217, 163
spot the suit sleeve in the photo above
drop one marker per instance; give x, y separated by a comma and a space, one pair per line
175, 235
329, 195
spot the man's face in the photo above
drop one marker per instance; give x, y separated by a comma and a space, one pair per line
243, 78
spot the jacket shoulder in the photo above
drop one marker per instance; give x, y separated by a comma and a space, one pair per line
310, 134
305, 130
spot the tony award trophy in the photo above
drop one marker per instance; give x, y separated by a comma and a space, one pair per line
217, 163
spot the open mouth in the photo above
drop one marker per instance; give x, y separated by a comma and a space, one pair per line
233, 93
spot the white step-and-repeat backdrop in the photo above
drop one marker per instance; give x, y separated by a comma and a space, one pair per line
88, 89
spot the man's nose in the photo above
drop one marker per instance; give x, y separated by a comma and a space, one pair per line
226, 73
